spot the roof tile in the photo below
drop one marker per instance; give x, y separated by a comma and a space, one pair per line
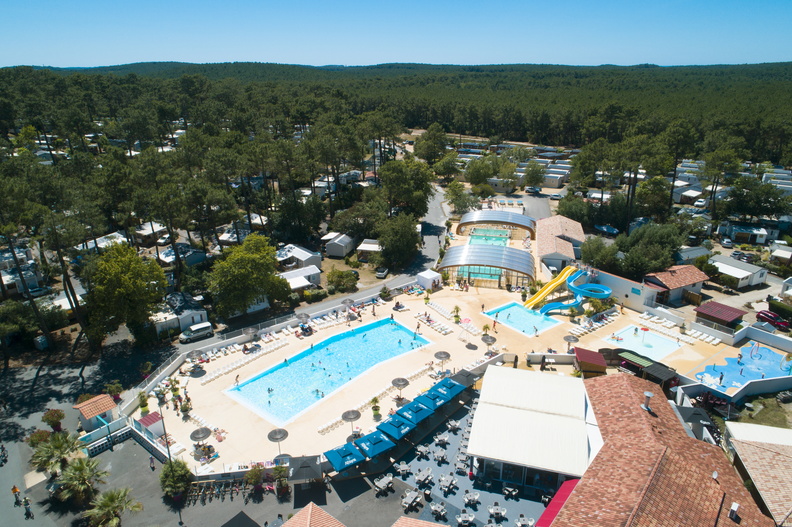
95, 406
677, 276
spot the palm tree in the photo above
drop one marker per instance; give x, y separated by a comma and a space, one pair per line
486, 328
53, 455
78, 480
109, 506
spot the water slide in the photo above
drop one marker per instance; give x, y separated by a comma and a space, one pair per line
550, 286
580, 291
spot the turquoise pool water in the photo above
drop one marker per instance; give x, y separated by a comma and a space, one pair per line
482, 231
758, 362
488, 240
521, 319
647, 343
322, 369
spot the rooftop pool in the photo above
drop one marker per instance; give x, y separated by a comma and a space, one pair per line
285, 391
645, 342
521, 319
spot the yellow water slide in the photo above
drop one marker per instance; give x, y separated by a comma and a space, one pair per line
550, 286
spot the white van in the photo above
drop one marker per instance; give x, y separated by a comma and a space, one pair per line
196, 332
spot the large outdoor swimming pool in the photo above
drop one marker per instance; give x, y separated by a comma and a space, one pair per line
488, 240
318, 371
483, 231
758, 362
646, 343
521, 319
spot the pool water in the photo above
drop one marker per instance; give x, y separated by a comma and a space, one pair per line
488, 240
758, 362
521, 319
647, 343
482, 231
327, 366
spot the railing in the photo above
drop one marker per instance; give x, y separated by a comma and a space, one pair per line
715, 326
102, 432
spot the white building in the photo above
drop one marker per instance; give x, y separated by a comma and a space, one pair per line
303, 278
103, 242
179, 312
23, 254
340, 246
746, 274
296, 257
149, 232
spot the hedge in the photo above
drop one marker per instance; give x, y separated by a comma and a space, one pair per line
779, 308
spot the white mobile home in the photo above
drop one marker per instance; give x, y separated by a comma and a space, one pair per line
340, 246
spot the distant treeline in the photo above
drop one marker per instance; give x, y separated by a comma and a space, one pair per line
749, 106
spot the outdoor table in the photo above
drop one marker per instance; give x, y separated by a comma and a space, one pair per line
524, 522
440, 455
403, 468
461, 467
442, 439
422, 450
423, 476
471, 498
383, 482
411, 498
453, 425
497, 511
438, 508
466, 518
510, 492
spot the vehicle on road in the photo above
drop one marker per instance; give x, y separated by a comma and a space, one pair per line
533, 190
774, 319
727, 243
196, 332
382, 272
36, 292
556, 197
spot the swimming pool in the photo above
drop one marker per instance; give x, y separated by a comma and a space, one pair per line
283, 392
646, 343
488, 240
758, 362
482, 231
521, 319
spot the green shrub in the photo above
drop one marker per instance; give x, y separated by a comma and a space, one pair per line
175, 477
316, 295
143, 400
331, 290
294, 299
53, 418
445, 276
385, 293
254, 476
38, 437
442, 253
781, 309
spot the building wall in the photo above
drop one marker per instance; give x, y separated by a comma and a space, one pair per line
632, 294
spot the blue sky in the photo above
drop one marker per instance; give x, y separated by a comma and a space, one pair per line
349, 32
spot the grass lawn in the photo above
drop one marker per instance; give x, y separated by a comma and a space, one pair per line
771, 413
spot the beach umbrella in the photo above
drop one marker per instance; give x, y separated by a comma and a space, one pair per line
350, 416
200, 434
277, 435
571, 339
304, 468
400, 383
645, 330
489, 340
303, 317
442, 356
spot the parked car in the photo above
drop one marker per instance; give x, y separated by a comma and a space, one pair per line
774, 319
533, 190
727, 243
556, 197
700, 203
737, 254
164, 240
382, 272
36, 292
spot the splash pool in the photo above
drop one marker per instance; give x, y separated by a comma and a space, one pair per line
521, 319
283, 392
758, 362
646, 343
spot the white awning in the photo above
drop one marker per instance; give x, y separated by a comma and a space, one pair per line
692, 193
298, 282
727, 269
369, 246
535, 420
329, 236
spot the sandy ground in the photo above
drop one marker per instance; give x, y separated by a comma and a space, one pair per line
246, 438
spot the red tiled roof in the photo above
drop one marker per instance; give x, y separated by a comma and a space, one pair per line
406, 521
555, 234
592, 357
312, 516
95, 406
649, 472
770, 468
677, 276
720, 311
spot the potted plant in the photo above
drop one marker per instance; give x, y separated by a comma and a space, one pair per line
53, 418
254, 477
524, 295
143, 401
682, 328
486, 329
426, 298
375, 408
145, 369
282, 489
456, 311
186, 406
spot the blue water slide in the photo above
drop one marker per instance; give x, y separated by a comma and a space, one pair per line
581, 292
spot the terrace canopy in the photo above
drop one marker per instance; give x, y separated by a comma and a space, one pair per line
432, 400
344, 457
497, 217
414, 412
719, 313
449, 388
396, 427
374, 444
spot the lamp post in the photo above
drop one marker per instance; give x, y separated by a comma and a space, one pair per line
164, 430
